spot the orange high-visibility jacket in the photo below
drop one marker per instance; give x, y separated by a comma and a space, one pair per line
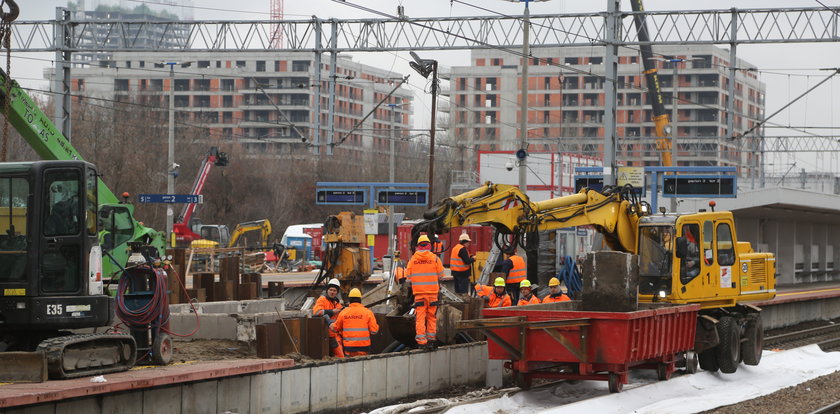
559, 298
519, 272
455, 262
497, 301
424, 271
356, 325
324, 303
483, 290
532, 301
399, 271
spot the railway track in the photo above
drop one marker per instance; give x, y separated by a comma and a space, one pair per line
827, 337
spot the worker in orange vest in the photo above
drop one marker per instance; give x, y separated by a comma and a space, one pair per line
399, 268
424, 272
495, 296
438, 248
516, 275
556, 294
459, 263
355, 325
526, 296
328, 306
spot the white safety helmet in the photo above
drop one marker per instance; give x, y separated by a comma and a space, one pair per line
334, 282
464, 236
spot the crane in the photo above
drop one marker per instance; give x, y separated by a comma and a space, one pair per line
182, 229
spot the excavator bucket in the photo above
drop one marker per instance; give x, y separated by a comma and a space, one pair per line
23, 367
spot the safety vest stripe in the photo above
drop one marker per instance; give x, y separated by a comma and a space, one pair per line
355, 339
424, 283
356, 329
425, 274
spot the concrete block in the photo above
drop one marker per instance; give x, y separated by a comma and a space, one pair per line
397, 377
48, 408
83, 405
234, 395
294, 397
162, 400
375, 385
459, 365
264, 306
349, 388
266, 391
194, 397
123, 403
478, 363
495, 373
418, 372
246, 328
323, 388
439, 370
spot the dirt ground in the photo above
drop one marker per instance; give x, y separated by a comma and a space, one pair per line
211, 350
803, 398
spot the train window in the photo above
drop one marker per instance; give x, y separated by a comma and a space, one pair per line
725, 245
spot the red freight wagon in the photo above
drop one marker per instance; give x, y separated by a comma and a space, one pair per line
481, 236
555, 341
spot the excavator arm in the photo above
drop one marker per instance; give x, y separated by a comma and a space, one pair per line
614, 212
264, 226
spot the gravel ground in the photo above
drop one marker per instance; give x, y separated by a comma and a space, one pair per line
211, 350
803, 398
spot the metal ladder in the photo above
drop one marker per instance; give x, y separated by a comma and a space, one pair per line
489, 264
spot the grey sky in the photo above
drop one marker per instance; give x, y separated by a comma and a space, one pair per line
819, 109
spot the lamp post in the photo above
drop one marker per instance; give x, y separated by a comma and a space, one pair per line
171, 167
426, 67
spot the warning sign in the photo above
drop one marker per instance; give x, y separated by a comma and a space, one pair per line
634, 176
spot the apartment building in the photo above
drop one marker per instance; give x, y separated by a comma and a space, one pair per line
566, 108
265, 99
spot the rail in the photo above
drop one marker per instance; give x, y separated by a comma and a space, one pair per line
824, 336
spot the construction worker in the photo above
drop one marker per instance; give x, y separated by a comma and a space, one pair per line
516, 275
556, 294
526, 296
399, 268
355, 325
424, 272
459, 263
438, 247
495, 296
328, 306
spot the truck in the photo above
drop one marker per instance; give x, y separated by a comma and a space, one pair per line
683, 258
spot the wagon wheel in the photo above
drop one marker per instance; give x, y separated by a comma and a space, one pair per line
162, 349
754, 335
615, 382
691, 362
523, 380
728, 351
662, 372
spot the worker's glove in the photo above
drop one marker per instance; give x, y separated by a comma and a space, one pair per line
402, 281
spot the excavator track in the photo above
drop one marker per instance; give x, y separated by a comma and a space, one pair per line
83, 355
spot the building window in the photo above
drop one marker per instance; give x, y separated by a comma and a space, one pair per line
121, 85
218, 64
156, 84
142, 63
182, 101
240, 63
462, 84
202, 102
300, 66
596, 60
227, 117
227, 101
81, 84
228, 84
490, 84
182, 85
260, 66
203, 64
571, 60
202, 85
128, 64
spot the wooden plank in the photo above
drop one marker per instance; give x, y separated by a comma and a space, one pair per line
223, 291
247, 291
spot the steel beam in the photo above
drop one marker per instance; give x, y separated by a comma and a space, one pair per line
684, 27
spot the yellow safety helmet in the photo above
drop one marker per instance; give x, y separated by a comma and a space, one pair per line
525, 283
554, 282
423, 239
355, 293
500, 281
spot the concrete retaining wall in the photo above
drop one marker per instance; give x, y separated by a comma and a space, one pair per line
367, 382
780, 315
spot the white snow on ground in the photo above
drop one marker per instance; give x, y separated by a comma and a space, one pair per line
683, 394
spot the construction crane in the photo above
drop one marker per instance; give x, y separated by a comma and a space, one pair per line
182, 228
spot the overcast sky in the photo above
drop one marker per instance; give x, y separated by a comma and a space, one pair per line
783, 66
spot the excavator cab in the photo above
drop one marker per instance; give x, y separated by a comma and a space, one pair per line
656, 258
50, 261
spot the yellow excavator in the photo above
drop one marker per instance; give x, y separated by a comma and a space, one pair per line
213, 236
683, 257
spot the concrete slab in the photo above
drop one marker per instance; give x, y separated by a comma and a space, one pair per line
194, 397
374, 382
83, 405
124, 403
350, 384
266, 391
439, 370
323, 387
418, 372
495, 373
294, 397
234, 395
397, 377
161, 400
459, 365
477, 355
38, 409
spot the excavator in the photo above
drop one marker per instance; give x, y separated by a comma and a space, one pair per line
684, 258
215, 235
63, 234
185, 231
